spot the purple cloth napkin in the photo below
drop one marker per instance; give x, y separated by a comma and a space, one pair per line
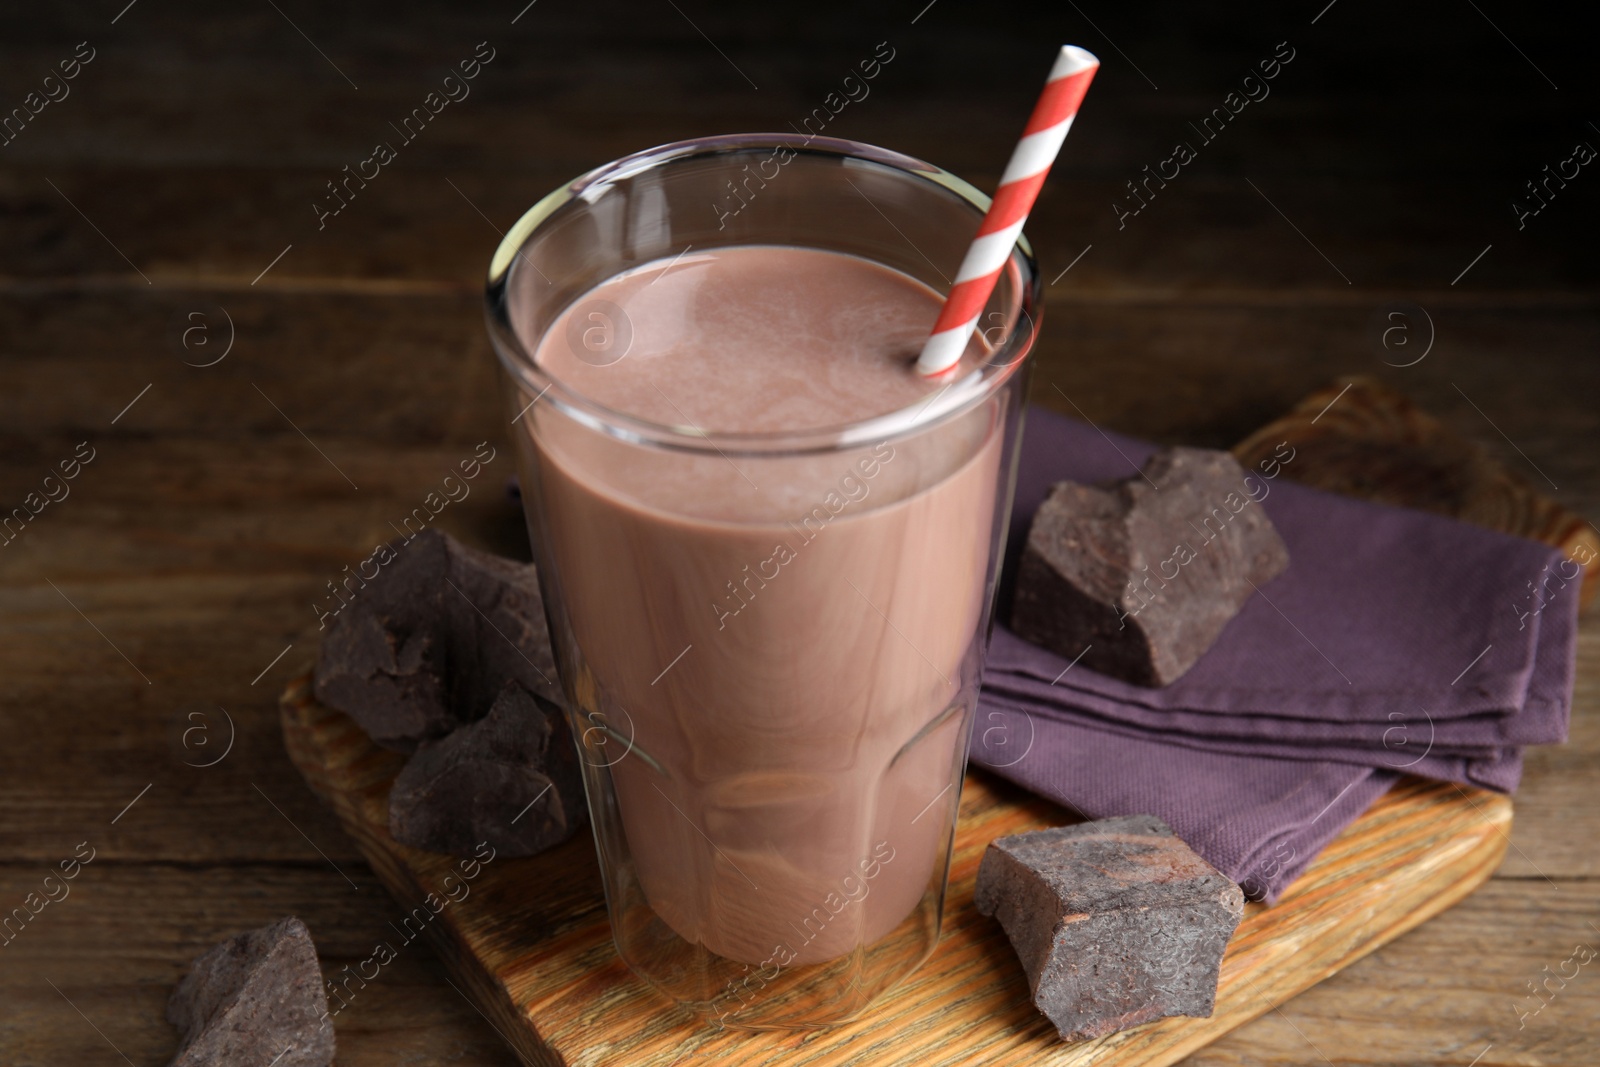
1395, 642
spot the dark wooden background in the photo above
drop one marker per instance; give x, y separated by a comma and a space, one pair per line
168, 586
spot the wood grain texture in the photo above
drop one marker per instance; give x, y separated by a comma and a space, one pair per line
531, 939
1378, 445
117, 945
195, 143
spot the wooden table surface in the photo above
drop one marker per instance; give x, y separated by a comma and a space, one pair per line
171, 184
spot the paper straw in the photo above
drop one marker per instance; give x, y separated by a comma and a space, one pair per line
1019, 187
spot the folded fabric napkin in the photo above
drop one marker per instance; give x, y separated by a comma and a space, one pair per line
1395, 642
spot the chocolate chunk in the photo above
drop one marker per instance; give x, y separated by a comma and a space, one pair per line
427, 643
1140, 577
444, 653
255, 998
1116, 922
510, 779
390, 682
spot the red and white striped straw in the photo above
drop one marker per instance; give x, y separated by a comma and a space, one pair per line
1019, 187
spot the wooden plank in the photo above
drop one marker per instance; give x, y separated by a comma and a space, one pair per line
1213, 369
127, 932
1448, 992
1438, 994
216, 229
569, 76
533, 944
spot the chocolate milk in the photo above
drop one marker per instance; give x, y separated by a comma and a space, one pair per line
790, 641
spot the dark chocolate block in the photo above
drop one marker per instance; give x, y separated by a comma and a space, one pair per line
255, 998
510, 779
428, 642
1116, 922
1140, 580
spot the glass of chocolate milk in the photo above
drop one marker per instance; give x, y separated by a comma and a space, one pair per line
768, 548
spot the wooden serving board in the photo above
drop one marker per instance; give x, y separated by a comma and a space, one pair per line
531, 945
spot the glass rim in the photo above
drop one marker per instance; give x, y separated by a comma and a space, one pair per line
955, 398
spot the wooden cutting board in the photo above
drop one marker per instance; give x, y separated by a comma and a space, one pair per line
528, 941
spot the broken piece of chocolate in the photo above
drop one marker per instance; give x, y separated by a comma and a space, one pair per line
1139, 578
1116, 922
444, 653
255, 998
427, 643
510, 779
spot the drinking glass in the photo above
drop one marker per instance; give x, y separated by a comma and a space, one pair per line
772, 705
